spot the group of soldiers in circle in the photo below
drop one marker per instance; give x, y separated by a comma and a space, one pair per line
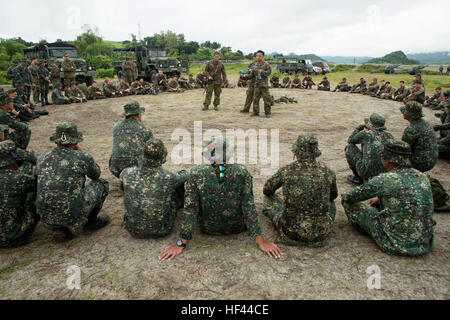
218, 197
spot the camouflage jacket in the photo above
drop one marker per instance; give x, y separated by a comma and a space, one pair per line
58, 97
74, 93
173, 84
324, 83
69, 68
129, 70
55, 74
444, 129
401, 91
436, 98
309, 189
148, 196
43, 73
389, 91
14, 188
217, 71
123, 86
92, 92
308, 79
129, 139
286, 81
406, 209
219, 208
108, 90
373, 87
418, 92
34, 73
273, 80
261, 79
8, 120
422, 139
22, 74
62, 176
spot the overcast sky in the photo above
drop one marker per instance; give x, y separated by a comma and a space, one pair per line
325, 27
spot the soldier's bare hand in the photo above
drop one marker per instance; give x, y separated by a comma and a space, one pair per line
270, 248
374, 202
170, 252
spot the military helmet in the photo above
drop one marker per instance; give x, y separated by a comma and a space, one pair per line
306, 146
376, 122
218, 151
412, 109
155, 153
66, 133
398, 152
132, 109
7, 153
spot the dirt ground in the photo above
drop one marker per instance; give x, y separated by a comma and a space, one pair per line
116, 266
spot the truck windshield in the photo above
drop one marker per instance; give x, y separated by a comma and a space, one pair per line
59, 53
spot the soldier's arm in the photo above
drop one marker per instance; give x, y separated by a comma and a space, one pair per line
92, 169
26, 156
409, 136
273, 184
14, 124
191, 210
224, 73
267, 70
249, 209
371, 189
358, 136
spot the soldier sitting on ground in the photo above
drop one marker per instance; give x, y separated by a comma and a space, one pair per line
305, 215
399, 216
380, 91
94, 92
444, 130
275, 81
296, 83
308, 82
361, 87
418, 78
152, 195
219, 200
18, 217
434, 100
183, 82
65, 203
388, 91
342, 86
417, 94
74, 94
324, 85
124, 88
372, 88
286, 83
58, 97
191, 82
174, 86
202, 80
20, 105
420, 136
242, 82
401, 93
21, 135
129, 138
26, 160
110, 90
365, 162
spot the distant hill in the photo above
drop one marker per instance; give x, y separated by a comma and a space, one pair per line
440, 57
396, 57
347, 60
292, 55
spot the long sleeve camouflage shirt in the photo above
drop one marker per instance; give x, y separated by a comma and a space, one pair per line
261, 79
217, 71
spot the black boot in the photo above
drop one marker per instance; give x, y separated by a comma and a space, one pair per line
98, 224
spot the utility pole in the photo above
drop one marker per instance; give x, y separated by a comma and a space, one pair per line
139, 32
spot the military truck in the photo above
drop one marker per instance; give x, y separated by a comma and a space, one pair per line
148, 61
296, 66
415, 70
55, 52
391, 69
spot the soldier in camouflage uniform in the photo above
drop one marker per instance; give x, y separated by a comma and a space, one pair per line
381, 90
57, 95
388, 91
361, 87
130, 137
373, 87
444, 129
434, 100
44, 82
201, 80
74, 94
308, 82
421, 138
365, 162
275, 81
18, 217
21, 135
418, 79
161, 81
219, 200
250, 94
401, 93
286, 82
174, 85
25, 113
191, 81
152, 195
417, 94
296, 83
129, 71
124, 88
69, 68
110, 90
10, 75
305, 215
399, 216
342, 86
34, 68
23, 74
94, 92
55, 74
215, 71
65, 203
324, 85
184, 83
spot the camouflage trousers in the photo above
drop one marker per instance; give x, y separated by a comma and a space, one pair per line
354, 159
21, 138
36, 93
45, 88
323, 88
312, 233
386, 96
249, 99
143, 231
444, 151
27, 225
367, 218
95, 193
264, 93
68, 81
217, 89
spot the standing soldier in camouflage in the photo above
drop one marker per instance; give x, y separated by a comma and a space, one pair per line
23, 74
399, 217
388, 91
342, 86
401, 93
57, 95
44, 82
21, 135
219, 199
10, 74
65, 203
444, 129
286, 82
421, 138
17, 196
365, 163
441, 70
250, 94
152, 195
130, 136
372, 88
94, 92
215, 71
129, 71
324, 85
275, 81
417, 93
296, 83
34, 71
55, 74
305, 215
434, 100
69, 69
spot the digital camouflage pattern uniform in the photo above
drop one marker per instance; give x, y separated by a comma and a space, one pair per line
372, 88
250, 94
129, 139
21, 135
26, 160
129, 71
55, 75
152, 195
444, 129
403, 224
261, 86
217, 71
435, 100
23, 74
324, 85
18, 217
34, 68
366, 162
342, 86
64, 200
58, 97
421, 138
69, 69
44, 82
306, 212
219, 199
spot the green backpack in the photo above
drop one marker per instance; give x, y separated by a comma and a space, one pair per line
440, 196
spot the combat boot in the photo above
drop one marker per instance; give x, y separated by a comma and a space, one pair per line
254, 115
244, 111
205, 108
62, 235
97, 224
216, 108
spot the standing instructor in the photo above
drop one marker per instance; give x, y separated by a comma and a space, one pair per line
216, 75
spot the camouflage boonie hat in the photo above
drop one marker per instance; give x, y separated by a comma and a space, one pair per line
66, 133
344, 79
7, 153
218, 150
4, 99
412, 109
306, 146
155, 153
132, 109
398, 152
376, 122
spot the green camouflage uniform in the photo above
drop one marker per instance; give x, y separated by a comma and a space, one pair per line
421, 138
261, 86
274, 81
342, 86
34, 68
444, 140
58, 97
152, 195
219, 198
388, 93
372, 88
435, 100
130, 137
21, 135
129, 72
361, 87
324, 85
403, 224
286, 82
75, 94
296, 83
22, 74
418, 95
18, 217
64, 200
217, 71
308, 82
44, 84
305, 215
401, 93
366, 162
69, 69
93, 93
250, 90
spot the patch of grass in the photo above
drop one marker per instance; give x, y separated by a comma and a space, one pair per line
343, 67
1, 290
370, 68
5, 272
108, 276
89, 296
